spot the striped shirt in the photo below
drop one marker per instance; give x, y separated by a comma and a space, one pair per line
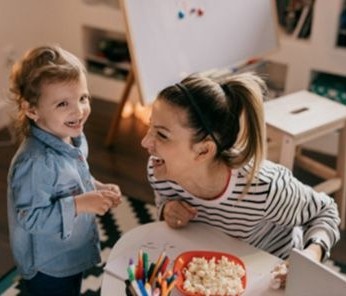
268, 215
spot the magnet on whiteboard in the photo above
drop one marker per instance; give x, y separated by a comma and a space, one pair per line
181, 14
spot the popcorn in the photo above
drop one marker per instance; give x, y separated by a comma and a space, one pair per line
214, 277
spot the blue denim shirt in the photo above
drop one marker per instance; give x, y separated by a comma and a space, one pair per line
45, 233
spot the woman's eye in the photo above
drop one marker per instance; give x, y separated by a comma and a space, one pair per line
162, 136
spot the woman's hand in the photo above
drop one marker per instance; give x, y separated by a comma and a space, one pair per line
279, 275
314, 252
177, 213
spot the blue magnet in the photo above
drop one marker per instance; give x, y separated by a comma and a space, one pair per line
181, 14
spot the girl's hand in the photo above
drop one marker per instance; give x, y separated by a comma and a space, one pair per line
177, 213
97, 202
109, 186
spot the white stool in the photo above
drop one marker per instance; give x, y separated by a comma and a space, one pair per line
297, 118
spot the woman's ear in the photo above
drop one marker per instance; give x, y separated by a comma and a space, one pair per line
205, 149
29, 111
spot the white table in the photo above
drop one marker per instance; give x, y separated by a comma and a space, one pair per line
155, 237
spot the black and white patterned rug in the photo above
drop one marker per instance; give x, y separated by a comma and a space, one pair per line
129, 214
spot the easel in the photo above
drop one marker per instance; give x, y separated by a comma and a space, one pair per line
113, 128
126, 108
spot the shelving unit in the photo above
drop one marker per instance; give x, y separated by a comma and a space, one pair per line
318, 54
295, 17
106, 53
102, 25
341, 37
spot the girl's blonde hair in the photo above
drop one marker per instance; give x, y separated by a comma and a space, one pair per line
44, 64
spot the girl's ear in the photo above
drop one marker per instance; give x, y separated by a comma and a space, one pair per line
29, 111
205, 149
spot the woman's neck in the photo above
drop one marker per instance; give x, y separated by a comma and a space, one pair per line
210, 182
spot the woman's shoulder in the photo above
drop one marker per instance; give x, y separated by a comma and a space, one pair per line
267, 172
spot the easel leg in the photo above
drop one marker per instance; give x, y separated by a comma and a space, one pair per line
340, 195
117, 115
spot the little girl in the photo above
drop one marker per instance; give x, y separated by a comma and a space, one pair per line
52, 197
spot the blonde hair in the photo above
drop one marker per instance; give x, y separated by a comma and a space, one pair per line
44, 64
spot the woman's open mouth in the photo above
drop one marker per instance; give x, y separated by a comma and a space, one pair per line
159, 166
157, 161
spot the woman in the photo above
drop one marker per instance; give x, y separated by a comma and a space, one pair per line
207, 145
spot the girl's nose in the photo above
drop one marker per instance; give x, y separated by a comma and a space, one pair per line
79, 109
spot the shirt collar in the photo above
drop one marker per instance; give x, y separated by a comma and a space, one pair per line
55, 142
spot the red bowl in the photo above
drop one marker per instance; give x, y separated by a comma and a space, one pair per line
183, 259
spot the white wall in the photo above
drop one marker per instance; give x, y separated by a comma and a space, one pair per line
25, 24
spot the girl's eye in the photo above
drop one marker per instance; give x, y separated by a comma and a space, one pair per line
62, 104
85, 98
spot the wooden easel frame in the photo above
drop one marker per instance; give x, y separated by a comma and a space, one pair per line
115, 122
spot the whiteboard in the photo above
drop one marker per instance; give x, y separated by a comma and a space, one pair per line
165, 48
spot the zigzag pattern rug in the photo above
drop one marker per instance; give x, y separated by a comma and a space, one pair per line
129, 214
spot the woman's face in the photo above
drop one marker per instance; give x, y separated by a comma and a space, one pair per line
170, 142
63, 108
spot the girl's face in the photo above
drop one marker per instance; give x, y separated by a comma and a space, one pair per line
170, 142
63, 108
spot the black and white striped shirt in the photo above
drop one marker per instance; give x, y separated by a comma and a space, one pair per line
269, 212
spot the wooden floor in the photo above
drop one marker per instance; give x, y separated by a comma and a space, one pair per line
124, 164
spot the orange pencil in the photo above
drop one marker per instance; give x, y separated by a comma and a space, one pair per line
168, 274
171, 284
164, 291
157, 266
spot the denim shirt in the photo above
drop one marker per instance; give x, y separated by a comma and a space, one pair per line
46, 235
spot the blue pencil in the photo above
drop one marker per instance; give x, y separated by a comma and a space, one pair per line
142, 289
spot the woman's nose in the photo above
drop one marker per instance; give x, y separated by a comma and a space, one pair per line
147, 141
